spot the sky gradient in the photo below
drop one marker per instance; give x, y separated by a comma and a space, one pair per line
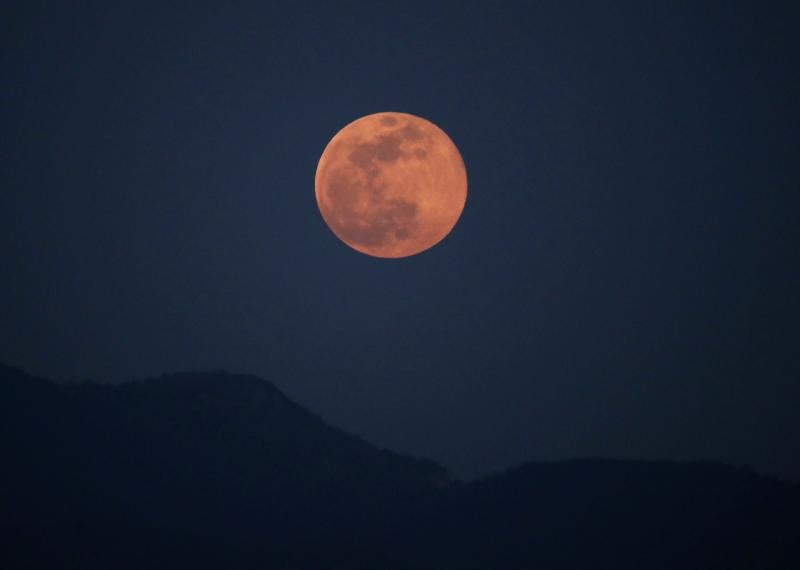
623, 280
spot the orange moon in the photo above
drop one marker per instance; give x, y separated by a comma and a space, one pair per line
391, 185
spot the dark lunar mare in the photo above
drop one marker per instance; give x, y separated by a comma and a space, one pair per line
394, 217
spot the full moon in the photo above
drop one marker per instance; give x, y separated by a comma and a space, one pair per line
391, 185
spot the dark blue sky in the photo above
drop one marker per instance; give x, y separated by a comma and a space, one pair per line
623, 281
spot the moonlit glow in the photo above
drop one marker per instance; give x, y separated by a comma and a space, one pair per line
391, 185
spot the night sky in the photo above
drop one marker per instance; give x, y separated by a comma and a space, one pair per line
623, 281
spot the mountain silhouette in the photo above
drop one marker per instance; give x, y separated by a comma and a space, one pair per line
210, 470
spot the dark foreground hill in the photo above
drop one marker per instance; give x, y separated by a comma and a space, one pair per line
216, 470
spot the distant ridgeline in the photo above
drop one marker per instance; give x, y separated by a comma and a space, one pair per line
217, 470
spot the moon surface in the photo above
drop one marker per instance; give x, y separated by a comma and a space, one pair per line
391, 185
